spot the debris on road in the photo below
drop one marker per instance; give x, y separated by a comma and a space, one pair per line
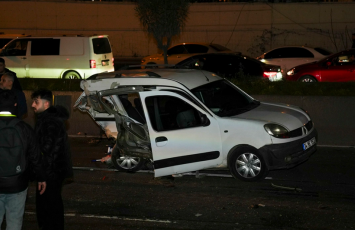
286, 188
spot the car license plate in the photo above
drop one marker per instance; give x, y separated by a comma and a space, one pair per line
105, 62
309, 143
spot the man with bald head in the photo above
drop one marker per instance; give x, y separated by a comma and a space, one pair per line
6, 82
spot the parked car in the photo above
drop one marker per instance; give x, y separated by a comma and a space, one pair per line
232, 65
337, 67
69, 57
182, 51
186, 120
291, 56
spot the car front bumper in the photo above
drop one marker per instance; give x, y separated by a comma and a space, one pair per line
288, 154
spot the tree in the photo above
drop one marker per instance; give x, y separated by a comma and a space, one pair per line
163, 19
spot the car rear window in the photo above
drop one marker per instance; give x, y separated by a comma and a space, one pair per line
219, 47
101, 45
289, 52
323, 51
192, 48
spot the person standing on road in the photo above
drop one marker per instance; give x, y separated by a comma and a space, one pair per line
19, 156
3, 70
7, 82
53, 142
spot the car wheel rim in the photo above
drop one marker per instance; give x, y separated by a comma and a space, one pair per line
248, 165
72, 76
128, 162
307, 80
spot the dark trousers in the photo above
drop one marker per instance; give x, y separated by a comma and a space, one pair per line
49, 207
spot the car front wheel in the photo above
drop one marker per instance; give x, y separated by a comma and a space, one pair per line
247, 164
309, 79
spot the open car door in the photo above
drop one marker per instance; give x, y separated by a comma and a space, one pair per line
183, 136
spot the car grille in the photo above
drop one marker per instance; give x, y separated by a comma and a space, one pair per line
298, 132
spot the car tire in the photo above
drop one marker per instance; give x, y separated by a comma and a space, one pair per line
308, 79
71, 75
247, 164
127, 163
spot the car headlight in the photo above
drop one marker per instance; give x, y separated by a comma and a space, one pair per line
291, 72
276, 130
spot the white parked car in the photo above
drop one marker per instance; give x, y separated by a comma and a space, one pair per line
186, 120
182, 51
290, 56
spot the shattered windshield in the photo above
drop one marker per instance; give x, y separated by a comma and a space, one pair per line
224, 99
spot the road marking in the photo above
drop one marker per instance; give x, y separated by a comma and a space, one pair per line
111, 217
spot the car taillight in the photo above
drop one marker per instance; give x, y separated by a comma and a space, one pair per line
269, 74
92, 64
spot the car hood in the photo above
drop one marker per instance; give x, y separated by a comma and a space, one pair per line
308, 65
289, 116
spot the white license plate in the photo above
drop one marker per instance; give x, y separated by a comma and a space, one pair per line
309, 143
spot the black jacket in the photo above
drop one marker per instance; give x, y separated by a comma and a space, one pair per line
19, 182
53, 142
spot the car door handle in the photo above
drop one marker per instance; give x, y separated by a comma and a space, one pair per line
161, 139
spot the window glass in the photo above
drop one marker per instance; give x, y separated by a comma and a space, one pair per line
219, 47
45, 46
4, 41
323, 51
344, 59
180, 49
101, 45
224, 99
171, 113
193, 48
289, 52
16, 48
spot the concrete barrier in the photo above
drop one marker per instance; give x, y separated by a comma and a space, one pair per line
333, 116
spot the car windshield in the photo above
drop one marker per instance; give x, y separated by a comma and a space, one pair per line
224, 99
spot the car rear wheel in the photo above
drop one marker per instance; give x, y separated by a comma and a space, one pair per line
309, 79
247, 164
127, 163
71, 75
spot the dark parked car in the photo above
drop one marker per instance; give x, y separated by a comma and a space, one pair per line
232, 65
336, 68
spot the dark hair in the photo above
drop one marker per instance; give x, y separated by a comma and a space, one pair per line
2, 60
7, 101
10, 75
43, 94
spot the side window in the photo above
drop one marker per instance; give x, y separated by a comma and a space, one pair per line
17, 48
45, 46
192, 48
176, 50
345, 59
171, 113
277, 53
299, 53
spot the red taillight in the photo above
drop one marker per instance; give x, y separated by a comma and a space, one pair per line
113, 61
92, 64
269, 74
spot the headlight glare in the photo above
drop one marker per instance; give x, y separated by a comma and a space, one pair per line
276, 130
291, 72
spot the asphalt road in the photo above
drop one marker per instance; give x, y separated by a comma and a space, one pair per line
318, 194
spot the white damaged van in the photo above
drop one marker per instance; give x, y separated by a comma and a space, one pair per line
187, 120
68, 57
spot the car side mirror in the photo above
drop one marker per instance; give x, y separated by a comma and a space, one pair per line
204, 120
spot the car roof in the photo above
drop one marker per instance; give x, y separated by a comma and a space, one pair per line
190, 78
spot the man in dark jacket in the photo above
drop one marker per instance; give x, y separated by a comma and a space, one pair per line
16, 137
53, 141
6, 82
3, 70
